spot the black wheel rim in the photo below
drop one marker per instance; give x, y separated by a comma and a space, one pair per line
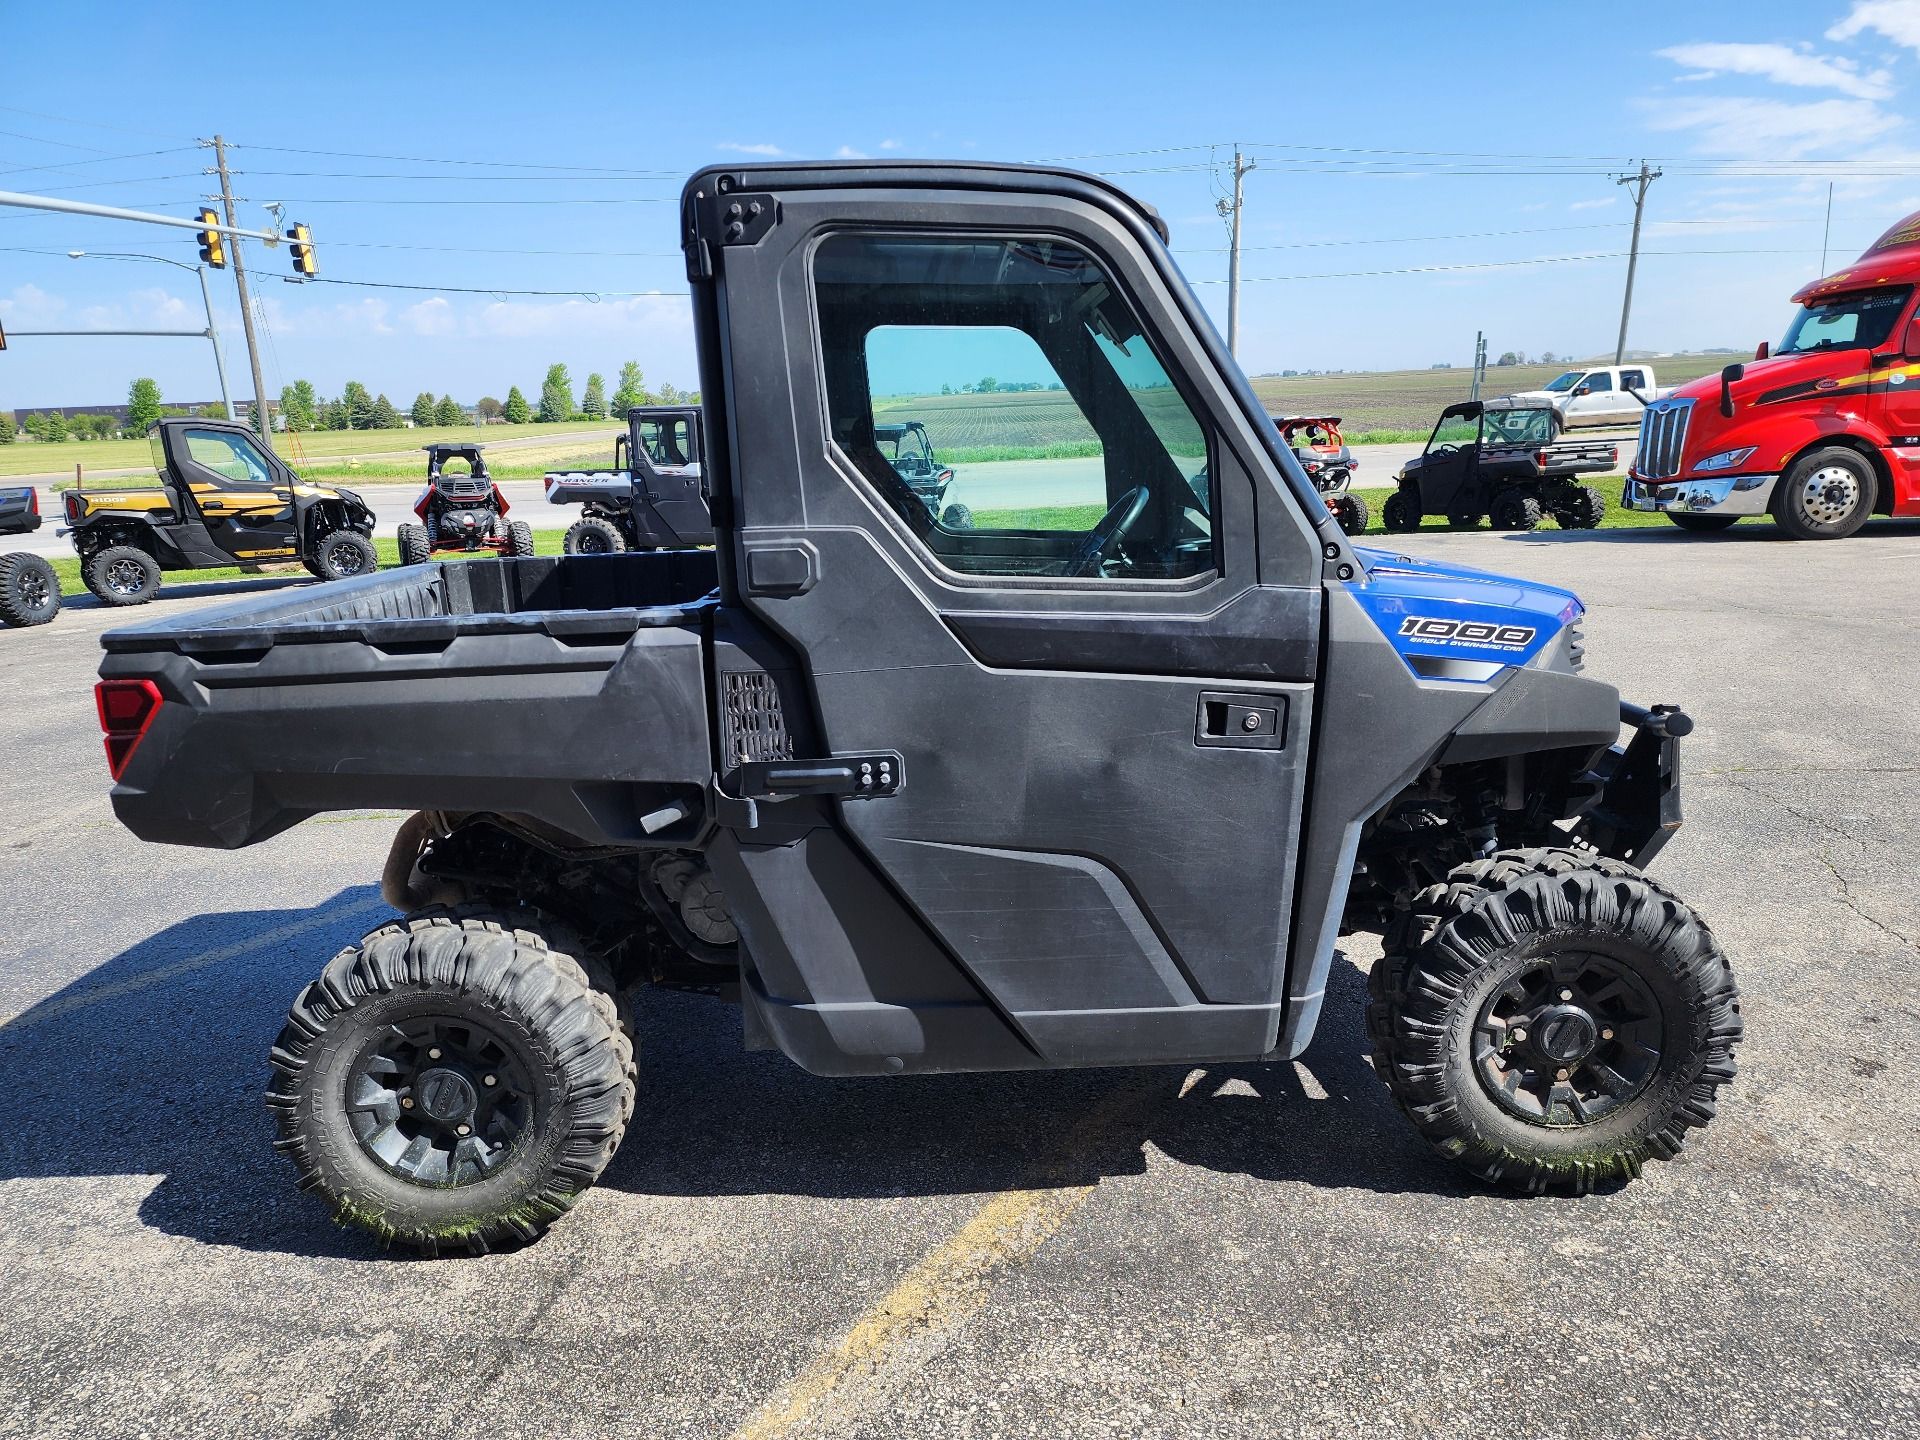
1568, 1040
34, 590
125, 577
438, 1101
345, 560
592, 542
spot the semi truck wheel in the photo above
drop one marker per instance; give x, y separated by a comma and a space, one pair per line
122, 575
345, 554
1514, 510
415, 548
452, 1082
1825, 496
1581, 508
1552, 1020
594, 536
1702, 523
1399, 514
519, 539
29, 591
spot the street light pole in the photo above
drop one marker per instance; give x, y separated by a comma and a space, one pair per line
212, 331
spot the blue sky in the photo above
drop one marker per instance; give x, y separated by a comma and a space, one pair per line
1379, 130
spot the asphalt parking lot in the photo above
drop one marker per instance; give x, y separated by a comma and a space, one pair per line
1235, 1251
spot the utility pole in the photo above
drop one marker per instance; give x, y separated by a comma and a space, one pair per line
1640, 183
1230, 209
1826, 232
1479, 362
261, 423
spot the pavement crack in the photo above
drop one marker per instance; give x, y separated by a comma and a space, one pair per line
1819, 822
1847, 899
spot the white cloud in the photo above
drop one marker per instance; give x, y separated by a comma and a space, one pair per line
1782, 65
738, 149
429, 317
1773, 129
30, 305
1897, 20
889, 144
1594, 204
847, 152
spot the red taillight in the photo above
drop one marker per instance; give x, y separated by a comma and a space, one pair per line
127, 708
74, 506
1613, 456
1543, 458
33, 501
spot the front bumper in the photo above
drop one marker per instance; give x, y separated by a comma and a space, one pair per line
1634, 804
1732, 495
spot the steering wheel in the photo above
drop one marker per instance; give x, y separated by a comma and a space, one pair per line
1121, 517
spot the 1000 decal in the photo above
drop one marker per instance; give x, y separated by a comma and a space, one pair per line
1464, 633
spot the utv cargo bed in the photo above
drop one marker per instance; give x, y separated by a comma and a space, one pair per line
570, 689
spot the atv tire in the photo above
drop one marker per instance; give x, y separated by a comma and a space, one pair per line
122, 575
1463, 519
386, 1060
29, 591
1702, 523
415, 548
1631, 1017
1581, 508
1514, 509
1825, 496
957, 517
1349, 512
346, 553
1401, 514
593, 536
519, 539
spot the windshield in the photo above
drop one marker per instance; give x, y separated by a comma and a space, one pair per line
1845, 322
1454, 430
1566, 381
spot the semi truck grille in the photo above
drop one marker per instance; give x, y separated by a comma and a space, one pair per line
1663, 439
753, 726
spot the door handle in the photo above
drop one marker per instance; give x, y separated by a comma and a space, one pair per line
1241, 722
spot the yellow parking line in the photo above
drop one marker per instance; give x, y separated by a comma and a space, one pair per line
146, 979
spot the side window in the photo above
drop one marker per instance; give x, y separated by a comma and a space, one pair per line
1633, 379
232, 457
1598, 382
668, 441
1001, 397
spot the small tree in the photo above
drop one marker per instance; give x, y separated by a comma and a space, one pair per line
334, 415
7, 429
986, 385
487, 408
386, 416
556, 396
516, 410
448, 412
668, 395
299, 406
631, 391
143, 404
422, 411
215, 411
359, 403
594, 403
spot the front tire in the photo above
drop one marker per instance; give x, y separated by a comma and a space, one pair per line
1827, 495
29, 591
1551, 1021
452, 1082
1581, 508
593, 535
1349, 512
122, 575
1400, 514
415, 548
345, 554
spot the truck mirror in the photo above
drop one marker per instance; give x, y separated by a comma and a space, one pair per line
1761, 351
1727, 377
1583, 390
1911, 346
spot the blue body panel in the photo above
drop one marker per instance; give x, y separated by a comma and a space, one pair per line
1450, 622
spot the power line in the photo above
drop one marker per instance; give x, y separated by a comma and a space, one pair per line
610, 178
97, 160
445, 160
88, 124
483, 200
595, 296
43, 140
1498, 264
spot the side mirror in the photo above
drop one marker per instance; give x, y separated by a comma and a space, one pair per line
1727, 378
1762, 350
1910, 347
1583, 390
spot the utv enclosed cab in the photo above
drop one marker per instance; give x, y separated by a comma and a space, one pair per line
220, 497
1101, 782
654, 498
461, 509
1503, 459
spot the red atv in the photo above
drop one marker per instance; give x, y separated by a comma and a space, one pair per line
1317, 444
461, 510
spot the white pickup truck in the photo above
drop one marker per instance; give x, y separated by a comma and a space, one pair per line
1599, 395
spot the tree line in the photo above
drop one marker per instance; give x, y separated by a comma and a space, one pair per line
356, 408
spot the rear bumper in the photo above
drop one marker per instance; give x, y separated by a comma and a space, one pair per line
1636, 787
1734, 495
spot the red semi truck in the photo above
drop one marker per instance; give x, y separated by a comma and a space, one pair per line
1820, 432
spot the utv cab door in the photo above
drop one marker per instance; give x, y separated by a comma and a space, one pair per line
242, 499
666, 456
1068, 742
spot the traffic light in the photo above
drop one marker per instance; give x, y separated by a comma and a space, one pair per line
303, 260
213, 245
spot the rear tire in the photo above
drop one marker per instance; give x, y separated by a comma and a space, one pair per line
29, 591
520, 539
957, 517
1827, 495
425, 1011
415, 548
122, 575
1582, 508
1514, 509
592, 535
1702, 524
345, 554
1461, 518
1349, 512
1401, 514
1551, 1020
